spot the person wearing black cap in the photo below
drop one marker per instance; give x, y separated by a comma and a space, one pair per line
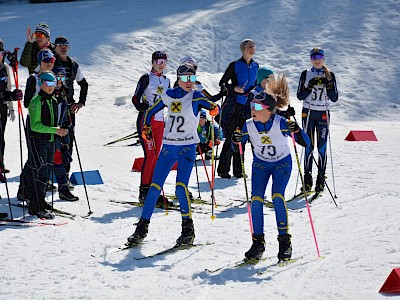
239, 79
73, 73
268, 134
43, 128
179, 145
148, 91
36, 41
317, 89
6, 105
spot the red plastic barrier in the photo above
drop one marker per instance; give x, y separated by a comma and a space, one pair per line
361, 135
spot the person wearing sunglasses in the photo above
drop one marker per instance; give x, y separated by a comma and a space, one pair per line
179, 145
61, 154
43, 128
36, 41
239, 79
73, 73
268, 134
150, 87
317, 89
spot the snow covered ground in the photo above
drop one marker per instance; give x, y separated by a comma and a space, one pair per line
113, 40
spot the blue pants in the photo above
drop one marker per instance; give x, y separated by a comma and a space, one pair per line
169, 155
261, 172
315, 122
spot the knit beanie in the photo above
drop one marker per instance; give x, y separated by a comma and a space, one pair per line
244, 43
262, 73
43, 28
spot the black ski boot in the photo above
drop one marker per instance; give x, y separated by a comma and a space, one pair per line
257, 248
160, 201
308, 182
285, 247
66, 195
320, 183
3, 215
187, 235
140, 233
43, 214
143, 190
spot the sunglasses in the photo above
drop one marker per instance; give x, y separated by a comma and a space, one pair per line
161, 61
251, 46
258, 106
50, 83
186, 78
39, 35
317, 56
60, 78
49, 59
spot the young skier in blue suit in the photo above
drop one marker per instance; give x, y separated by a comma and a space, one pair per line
268, 134
179, 145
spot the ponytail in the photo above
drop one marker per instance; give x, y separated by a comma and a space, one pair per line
279, 89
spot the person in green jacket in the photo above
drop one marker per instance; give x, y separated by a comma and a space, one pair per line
43, 113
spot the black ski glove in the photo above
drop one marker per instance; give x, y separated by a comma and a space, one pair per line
311, 83
293, 126
143, 106
237, 136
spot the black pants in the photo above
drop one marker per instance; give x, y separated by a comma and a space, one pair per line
227, 153
3, 122
36, 173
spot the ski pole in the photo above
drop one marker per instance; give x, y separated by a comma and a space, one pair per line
325, 183
129, 136
197, 177
80, 166
204, 164
245, 187
305, 194
330, 142
219, 126
213, 202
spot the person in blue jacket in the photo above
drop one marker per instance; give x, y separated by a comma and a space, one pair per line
268, 134
238, 80
179, 145
317, 89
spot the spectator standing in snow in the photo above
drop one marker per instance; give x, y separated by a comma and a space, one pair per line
242, 75
179, 145
73, 73
148, 91
36, 41
268, 134
317, 88
43, 127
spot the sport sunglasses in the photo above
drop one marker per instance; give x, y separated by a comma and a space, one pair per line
39, 35
49, 59
258, 106
186, 78
317, 56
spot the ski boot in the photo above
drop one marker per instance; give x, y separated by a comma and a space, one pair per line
187, 235
308, 182
143, 190
320, 183
3, 215
285, 247
66, 195
42, 214
140, 233
257, 248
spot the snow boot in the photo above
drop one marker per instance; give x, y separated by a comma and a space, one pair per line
140, 233
143, 190
66, 195
257, 248
320, 183
187, 235
285, 247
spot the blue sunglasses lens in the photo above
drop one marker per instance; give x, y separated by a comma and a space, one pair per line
256, 106
317, 56
50, 83
61, 78
186, 78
